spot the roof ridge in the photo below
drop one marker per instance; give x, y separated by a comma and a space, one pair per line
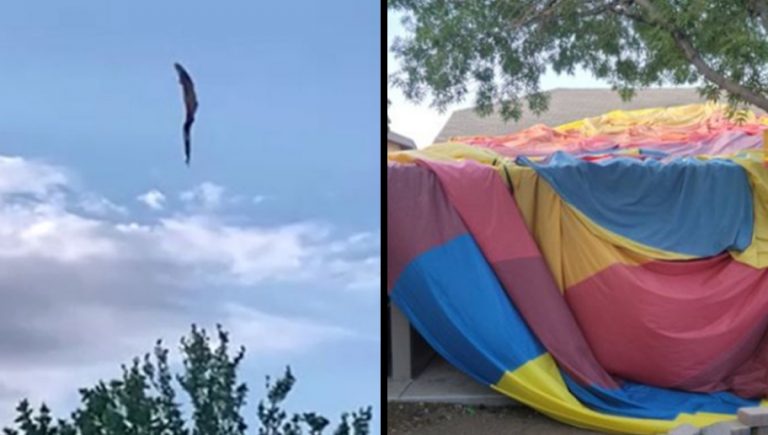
649, 89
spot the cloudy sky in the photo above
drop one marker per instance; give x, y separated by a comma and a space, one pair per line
108, 241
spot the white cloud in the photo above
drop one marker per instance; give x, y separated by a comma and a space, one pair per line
355, 242
238, 254
362, 274
19, 176
153, 199
217, 252
269, 333
206, 195
258, 199
100, 206
46, 231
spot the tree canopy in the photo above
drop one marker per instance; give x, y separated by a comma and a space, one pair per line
144, 401
502, 47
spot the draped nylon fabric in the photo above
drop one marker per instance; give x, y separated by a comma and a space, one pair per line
610, 272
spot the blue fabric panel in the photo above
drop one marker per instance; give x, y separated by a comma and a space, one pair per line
644, 401
687, 206
452, 297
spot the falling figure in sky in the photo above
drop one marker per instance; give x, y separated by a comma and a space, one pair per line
190, 102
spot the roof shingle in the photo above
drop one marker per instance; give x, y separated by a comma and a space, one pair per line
401, 140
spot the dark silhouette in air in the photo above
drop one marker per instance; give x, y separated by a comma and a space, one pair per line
190, 102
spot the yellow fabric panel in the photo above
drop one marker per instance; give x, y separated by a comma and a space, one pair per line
454, 151
620, 121
765, 147
538, 384
573, 246
449, 151
756, 255
541, 213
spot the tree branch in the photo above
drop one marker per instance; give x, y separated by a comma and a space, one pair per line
532, 15
694, 57
551, 8
760, 8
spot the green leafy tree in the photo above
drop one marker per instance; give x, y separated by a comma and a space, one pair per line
144, 400
504, 46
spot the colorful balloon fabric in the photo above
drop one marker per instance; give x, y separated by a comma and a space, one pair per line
610, 272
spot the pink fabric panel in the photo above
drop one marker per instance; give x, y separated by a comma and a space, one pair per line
413, 195
487, 207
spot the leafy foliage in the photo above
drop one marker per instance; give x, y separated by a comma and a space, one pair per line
502, 47
144, 401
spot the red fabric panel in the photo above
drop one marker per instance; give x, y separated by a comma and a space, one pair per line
529, 283
693, 325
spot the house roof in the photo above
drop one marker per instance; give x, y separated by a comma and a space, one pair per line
401, 140
565, 105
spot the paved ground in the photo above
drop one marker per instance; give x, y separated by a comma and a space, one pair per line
440, 382
438, 419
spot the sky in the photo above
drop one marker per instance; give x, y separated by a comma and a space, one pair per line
109, 242
421, 122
